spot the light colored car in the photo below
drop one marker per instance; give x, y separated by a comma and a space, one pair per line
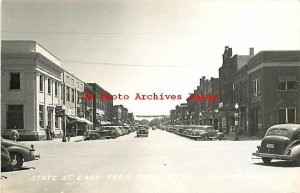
280, 142
19, 153
206, 132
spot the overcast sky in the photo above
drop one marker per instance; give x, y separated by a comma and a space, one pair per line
148, 46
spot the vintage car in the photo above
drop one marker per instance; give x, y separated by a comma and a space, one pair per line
19, 153
280, 142
103, 132
5, 159
91, 135
142, 131
206, 132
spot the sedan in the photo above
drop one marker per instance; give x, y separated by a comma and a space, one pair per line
280, 142
19, 153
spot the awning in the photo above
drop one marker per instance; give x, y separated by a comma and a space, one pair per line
78, 119
104, 122
287, 79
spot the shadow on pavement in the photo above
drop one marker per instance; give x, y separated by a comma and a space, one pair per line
16, 170
283, 164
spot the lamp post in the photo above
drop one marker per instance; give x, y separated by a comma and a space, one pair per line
236, 122
200, 115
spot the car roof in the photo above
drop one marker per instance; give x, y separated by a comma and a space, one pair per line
290, 127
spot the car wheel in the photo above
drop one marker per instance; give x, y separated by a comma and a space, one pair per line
114, 136
93, 137
266, 160
205, 137
220, 138
16, 161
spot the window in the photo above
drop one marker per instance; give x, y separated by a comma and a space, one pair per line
68, 93
49, 86
256, 86
288, 85
72, 95
55, 89
56, 122
78, 98
62, 91
41, 115
15, 117
14, 81
287, 115
41, 83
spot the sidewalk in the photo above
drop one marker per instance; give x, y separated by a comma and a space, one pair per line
241, 137
59, 140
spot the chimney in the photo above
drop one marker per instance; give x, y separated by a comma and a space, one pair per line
251, 51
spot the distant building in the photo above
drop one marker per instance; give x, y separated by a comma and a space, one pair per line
227, 81
102, 105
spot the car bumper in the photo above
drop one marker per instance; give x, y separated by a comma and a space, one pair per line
142, 135
274, 156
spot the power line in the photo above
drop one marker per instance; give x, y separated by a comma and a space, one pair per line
124, 64
99, 33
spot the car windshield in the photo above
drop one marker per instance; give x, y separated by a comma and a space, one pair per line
278, 131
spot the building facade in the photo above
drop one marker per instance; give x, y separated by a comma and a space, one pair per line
274, 89
31, 80
102, 105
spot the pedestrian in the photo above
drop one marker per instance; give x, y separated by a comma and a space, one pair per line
14, 134
48, 132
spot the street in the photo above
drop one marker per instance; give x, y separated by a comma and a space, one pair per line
163, 162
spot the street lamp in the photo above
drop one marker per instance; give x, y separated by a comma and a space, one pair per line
236, 122
200, 119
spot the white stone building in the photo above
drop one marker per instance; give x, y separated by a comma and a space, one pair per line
31, 80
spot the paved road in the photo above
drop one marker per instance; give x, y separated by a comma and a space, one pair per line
161, 163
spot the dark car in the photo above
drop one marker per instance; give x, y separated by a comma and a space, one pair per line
142, 131
110, 132
5, 159
280, 142
19, 153
91, 135
103, 132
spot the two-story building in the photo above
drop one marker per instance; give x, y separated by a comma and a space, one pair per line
31, 85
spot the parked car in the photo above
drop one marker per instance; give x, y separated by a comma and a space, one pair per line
280, 142
206, 132
5, 159
19, 153
91, 135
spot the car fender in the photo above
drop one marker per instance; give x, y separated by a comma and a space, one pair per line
25, 153
295, 152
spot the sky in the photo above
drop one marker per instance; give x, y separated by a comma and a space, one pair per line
150, 46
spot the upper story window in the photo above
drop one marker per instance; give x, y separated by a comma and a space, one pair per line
256, 85
14, 80
49, 86
55, 89
288, 85
41, 83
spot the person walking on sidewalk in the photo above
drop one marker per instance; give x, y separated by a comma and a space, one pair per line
14, 134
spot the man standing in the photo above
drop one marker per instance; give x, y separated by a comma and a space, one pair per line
48, 132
